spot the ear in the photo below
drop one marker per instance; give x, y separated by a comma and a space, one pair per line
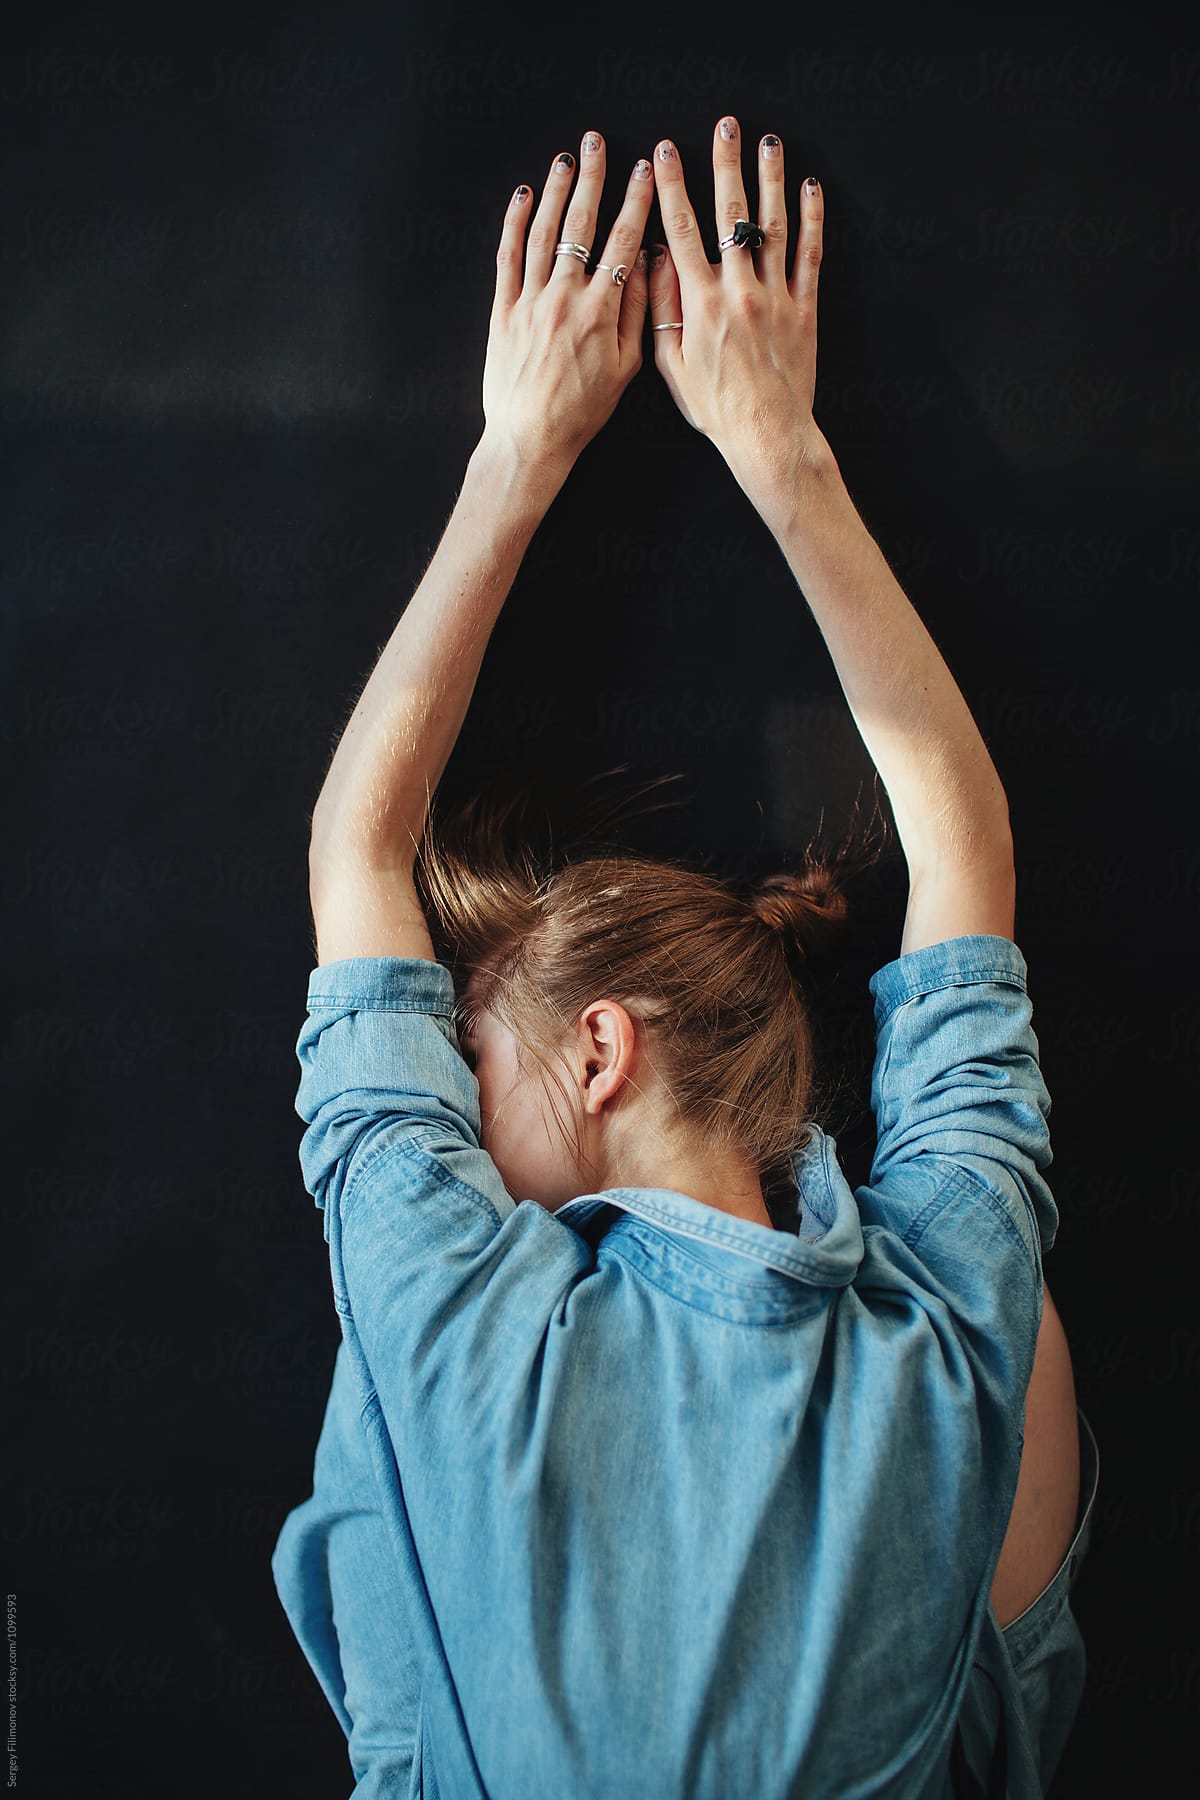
608, 1047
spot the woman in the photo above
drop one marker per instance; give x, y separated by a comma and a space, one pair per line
621, 1489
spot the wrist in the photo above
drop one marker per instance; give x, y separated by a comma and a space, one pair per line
782, 481
516, 479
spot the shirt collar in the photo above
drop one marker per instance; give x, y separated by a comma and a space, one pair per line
826, 1252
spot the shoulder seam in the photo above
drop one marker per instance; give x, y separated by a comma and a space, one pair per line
409, 1145
949, 1190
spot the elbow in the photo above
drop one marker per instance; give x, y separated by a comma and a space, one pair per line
977, 837
360, 843
992, 839
979, 831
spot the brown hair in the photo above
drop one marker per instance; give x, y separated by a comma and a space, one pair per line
712, 969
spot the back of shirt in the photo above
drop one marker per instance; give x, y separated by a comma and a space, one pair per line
676, 1504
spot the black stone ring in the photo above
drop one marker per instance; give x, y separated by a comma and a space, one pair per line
744, 233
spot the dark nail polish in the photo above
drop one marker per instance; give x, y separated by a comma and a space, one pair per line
771, 142
657, 253
566, 160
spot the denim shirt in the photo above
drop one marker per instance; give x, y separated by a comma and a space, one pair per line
641, 1498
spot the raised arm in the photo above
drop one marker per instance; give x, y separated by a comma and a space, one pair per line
562, 347
949, 805
743, 372
371, 809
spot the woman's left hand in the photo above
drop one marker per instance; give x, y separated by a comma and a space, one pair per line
564, 344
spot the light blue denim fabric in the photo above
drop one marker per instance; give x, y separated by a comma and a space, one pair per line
642, 1499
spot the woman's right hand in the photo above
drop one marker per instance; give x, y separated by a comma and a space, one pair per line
743, 370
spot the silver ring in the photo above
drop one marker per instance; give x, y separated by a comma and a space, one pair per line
675, 327
618, 274
580, 251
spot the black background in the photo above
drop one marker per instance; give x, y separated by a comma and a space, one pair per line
248, 265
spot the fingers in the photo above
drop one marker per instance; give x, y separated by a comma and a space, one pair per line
631, 324
731, 204
679, 221
622, 250
510, 256
810, 244
665, 305
579, 226
772, 213
543, 232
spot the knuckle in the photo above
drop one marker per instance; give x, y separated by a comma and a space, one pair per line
680, 222
625, 235
810, 255
541, 237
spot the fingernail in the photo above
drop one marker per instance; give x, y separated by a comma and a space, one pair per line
728, 128
565, 161
640, 259
641, 169
522, 193
812, 184
657, 253
770, 145
666, 151
591, 141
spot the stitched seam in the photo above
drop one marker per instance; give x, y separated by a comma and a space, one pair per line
787, 1317
723, 1240
734, 1287
959, 978
348, 1003
373, 1155
940, 1200
420, 1152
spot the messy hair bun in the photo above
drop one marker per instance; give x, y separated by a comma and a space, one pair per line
805, 908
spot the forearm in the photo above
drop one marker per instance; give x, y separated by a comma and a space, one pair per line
948, 801
398, 740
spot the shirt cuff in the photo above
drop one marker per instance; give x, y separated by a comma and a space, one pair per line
410, 984
952, 963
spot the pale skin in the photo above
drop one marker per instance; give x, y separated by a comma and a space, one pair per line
562, 347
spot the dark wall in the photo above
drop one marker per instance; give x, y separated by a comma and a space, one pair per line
248, 266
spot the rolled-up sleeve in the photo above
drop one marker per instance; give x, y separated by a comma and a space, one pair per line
957, 1084
381, 1070
393, 1152
963, 1143
441, 1278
